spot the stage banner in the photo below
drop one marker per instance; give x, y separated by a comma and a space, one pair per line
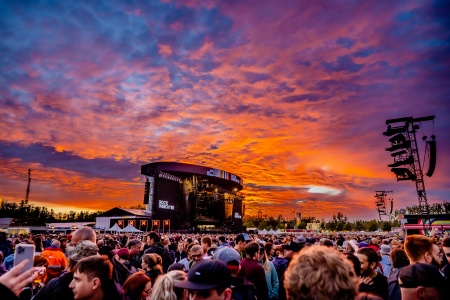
120, 223
131, 222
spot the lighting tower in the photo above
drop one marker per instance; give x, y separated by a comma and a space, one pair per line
27, 195
381, 203
405, 152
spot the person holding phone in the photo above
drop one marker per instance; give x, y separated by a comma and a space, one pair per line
13, 281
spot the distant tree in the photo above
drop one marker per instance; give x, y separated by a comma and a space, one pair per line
386, 226
372, 225
138, 206
262, 225
348, 226
249, 224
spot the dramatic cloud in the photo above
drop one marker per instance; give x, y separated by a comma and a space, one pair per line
290, 95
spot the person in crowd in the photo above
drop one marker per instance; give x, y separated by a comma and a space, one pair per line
121, 267
57, 261
206, 244
421, 249
135, 248
177, 267
2, 268
196, 255
137, 287
446, 250
374, 244
82, 234
63, 244
385, 251
280, 262
320, 273
58, 288
164, 288
39, 247
92, 280
240, 241
423, 281
15, 280
271, 274
151, 264
187, 260
270, 251
326, 243
5, 245
124, 257
354, 261
222, 242
253, 272
154, 246
371, 280
180, 253
399, 261
210, 279
41, 264
241, 287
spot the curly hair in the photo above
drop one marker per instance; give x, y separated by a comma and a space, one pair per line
163, 288
319, 272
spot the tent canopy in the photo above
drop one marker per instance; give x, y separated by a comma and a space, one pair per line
115, 228
130, 228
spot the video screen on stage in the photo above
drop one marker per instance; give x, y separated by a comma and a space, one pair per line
167, 200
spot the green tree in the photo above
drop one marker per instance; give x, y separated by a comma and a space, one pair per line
262, 225
348, 226
386, 226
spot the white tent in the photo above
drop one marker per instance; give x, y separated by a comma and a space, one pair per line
262, 231
278, 231
271, 231
115, 228
131, 228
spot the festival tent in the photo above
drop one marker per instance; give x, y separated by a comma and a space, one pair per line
278, 231
131, 228
262, 231
271, 231
115, 228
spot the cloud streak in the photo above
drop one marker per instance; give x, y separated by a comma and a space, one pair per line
291, 96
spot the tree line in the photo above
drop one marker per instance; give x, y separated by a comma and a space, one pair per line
339, 221
24, 214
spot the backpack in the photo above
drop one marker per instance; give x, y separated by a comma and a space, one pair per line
394, 292
244, 292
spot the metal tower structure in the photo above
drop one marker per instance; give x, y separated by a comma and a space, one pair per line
381, 203
407, 164
27, 195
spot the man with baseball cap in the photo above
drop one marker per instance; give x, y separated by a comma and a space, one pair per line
422, 281
208, 280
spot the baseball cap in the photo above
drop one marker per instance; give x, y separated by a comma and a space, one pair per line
205, 275
243, 237
385, 249
84, 249
301, 239
123, 253
227, 254
363, 244
420, 274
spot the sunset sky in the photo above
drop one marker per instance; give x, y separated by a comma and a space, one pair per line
290, 95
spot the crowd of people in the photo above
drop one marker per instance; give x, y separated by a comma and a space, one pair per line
90, 265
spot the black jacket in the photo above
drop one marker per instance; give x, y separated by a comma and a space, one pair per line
161, 251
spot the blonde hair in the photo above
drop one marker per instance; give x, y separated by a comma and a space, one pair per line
318, 272
163, 288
